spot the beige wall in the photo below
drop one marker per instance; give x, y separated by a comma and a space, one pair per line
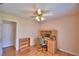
67, 28
28, 28
78, 32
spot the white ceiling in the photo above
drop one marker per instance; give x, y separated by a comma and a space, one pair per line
24, 9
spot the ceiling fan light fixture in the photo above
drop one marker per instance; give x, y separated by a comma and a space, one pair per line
37, 18
42, 18
39, 11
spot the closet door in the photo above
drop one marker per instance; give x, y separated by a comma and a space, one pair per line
0, 37
7, 35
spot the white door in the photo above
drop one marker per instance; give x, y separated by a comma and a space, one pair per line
0, 38
7, 35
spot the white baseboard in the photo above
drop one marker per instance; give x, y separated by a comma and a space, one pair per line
68, 52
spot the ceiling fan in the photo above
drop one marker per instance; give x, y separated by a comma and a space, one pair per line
38, 13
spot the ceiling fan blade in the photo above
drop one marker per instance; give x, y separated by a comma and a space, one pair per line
46, 11
28, 11
32, 10
49, 14
32, 16
34, 7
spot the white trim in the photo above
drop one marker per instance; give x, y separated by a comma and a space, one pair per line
68, 52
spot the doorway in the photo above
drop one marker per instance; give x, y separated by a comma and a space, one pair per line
8, 34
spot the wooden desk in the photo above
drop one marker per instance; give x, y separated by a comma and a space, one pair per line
51, 46
51, 40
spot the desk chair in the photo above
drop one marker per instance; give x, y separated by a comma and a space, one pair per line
43, 44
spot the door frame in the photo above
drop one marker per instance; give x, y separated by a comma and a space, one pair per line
16, 29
